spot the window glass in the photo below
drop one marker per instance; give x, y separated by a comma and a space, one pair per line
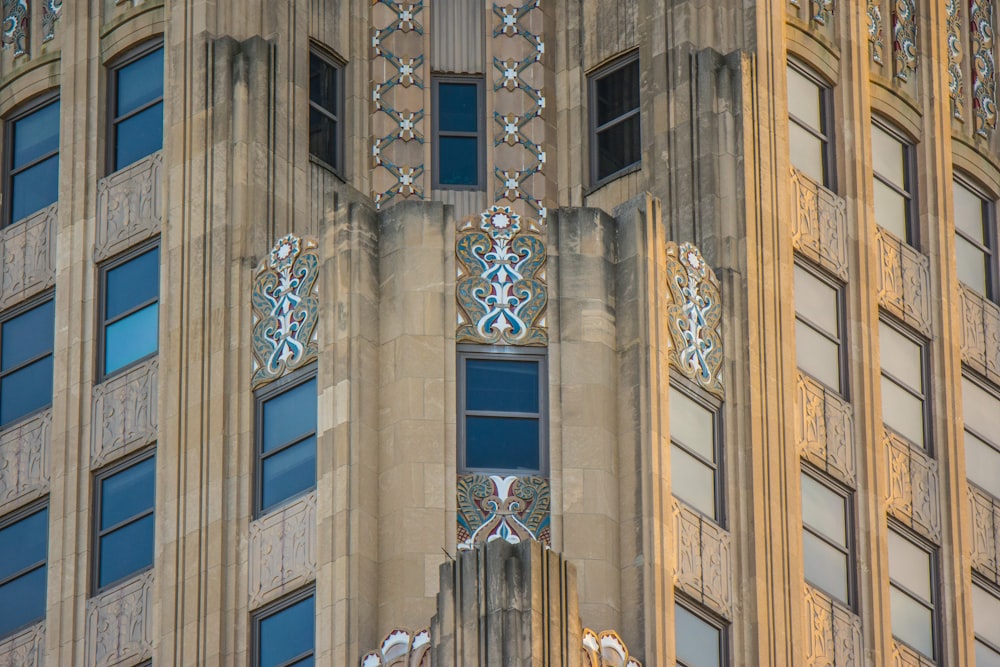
888, 157
910, 566
289, 472
699, 643
981, 412
692, 425
824, 510
501, 385
324, 110
287, 637
901, 357
615, 105
458, 125
501, 443
804, 99
982, 464
817, 355
287, 448
458, 106
824, 540
34, 162
969, 213
817, 328
36, 135
137, 123
902, 411
692, 481
807, 134
972, 267
140, 82
890, 210
126, 525
617, 92
26, 362
911, 597
986, 614
816, 301
24, 547
131, 330
912, 622
892, 184
290, 416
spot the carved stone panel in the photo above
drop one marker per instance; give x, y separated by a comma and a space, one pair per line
833, 633
119, 623
28, 256
904, 282
985, 554
820, 231
283, 550
824, 430
980, 341
912, 486
129, 206
24, 460
25, 649
702, 561
401, 648
125, 413
904, 656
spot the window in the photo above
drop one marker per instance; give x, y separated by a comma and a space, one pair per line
286, 437
614, 119
891, 158
123, 507
694, 456
808, 136
502, 410
137, 107
24, 540
131, 291
826, 538
818, 338
981, 410
459, 141
985, 617
974, 240
325, 105
911, 594
699, 643
26, 361
32, 163
903, 384
285, 633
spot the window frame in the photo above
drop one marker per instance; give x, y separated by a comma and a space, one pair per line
337, 116
112, 68
992, 589
593, 128
103, 269
925, 379
97, 501
850, 527
257, 616
480, 134
21, 112
842, 343
990, 233
11, 518
908, 191
508, 353
991, 441
715, 408
706, 617
13, 313
935, 586
825, 133
260, 397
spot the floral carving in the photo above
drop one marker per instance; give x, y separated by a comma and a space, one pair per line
904, 281
702, 561
400, 648
833, 634
24, 649
492, 507
912, 486
875, 39
606, 649
824, 430
904, 38
129, 207
820, 231
28, 253
956, 87
125, 413
283, 550
119, 623
501, 288
985, 553
51, 11
984, 82
694, 316
13, 31
24, 460
285, 304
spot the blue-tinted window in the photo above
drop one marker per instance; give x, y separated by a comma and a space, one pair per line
324, 110
131, 310
287, 636
26, 362
126, 499
34, 162
458, 123
287, 443
614, 98
23, 552
502, 405
137, 117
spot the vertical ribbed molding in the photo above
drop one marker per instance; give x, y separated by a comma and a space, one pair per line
398, 82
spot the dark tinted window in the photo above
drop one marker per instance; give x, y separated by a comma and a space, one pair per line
23, 552
287, 443
34, 161
137, 118
324, 110
26, 362
615, 123
458, 125
126, 522
131, 310
287, 636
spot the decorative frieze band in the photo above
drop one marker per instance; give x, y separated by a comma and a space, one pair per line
515, 509
904, 656
283, 550
985, 555
28, 255
824, 430
833, 633
820, 231
984, 76
980, 340
15, 26
119, 623
606, 649
912, 494
876, 41
904, 38
129, 206
24, 461
24, 649
702, 562
904, 281
956, 84
125, 413
401, 648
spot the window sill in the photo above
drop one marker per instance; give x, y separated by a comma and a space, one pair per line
607, 180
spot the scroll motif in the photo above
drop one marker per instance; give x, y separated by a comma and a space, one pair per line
956, 87
400, 648
51, 11
606, 650
984, 83
501, 288
694, 316
285, 303
13, 31
492, 507
875, 30
904, 38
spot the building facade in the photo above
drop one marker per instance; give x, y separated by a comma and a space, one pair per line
452, 333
